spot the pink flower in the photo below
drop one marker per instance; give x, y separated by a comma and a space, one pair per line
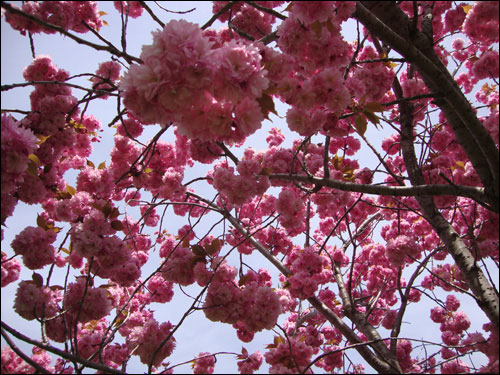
333, 360
34, 244
13, 364
160, 289
34, 302
481, 23
179, 266
486, 66
452, 302
204, 363
454, 367
10, 270
251, 364
133, 9
146, 339
397, 249
86, 302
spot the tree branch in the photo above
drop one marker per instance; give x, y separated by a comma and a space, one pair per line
487, 298
77, 39
59, 352
472, 192
389, 23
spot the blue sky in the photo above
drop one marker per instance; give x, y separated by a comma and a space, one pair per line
197, 334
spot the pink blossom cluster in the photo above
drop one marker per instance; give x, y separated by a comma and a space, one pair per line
241, 188
217, 87
204, 363
97, 182
10, 270
334, 359
106, 77
250, 364
486, 66
247, 19
454, 18
95, 237
69, 15
90, 336
288, 355
85, 303
160, 289
309, 269
438, 9
34, 302
163, 173
481, 23
130, 127
179, 265
210, 93
133, 9
446, 277
455, 366
370, 80
35, 245
16, 145
292, 210
13, 364
146, 340
65, 137
311, 36
255, 305
453, 322
399, 248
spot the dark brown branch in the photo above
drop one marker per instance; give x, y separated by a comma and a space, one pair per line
59, 352
485, 293
77, 39
151, 13
473, 192
219, 13
377, 362
388, 22
24, 357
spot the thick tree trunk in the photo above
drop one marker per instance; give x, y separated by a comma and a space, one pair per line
385, 20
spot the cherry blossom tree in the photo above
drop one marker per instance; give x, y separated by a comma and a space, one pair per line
302, 238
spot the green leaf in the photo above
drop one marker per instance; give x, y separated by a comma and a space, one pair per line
106, 210
34, 159
360, 124
198, 250
117, 225
114, 213
289, 7
466, 8
90, 164
266, 171
37, 279
374, 107
266, 103
213, 247
32, 169
42, 138
243, 280
40, 221
372, 117
316, 26
329, 25
102, 165
70, 189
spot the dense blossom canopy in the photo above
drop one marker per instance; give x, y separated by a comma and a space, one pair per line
353, 230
